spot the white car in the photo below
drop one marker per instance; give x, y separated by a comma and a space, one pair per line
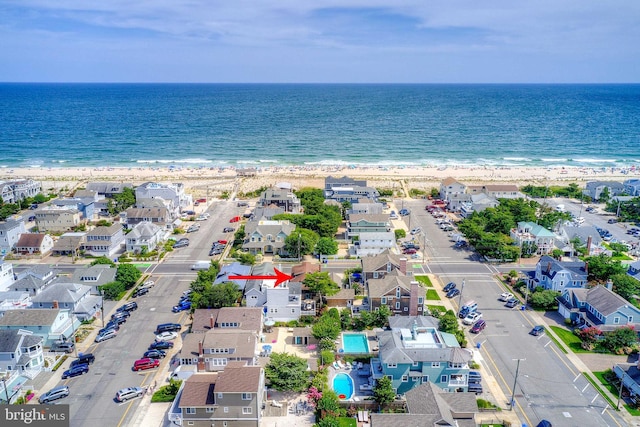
472, 318
505, 296
148, 284
166, 336
417, 230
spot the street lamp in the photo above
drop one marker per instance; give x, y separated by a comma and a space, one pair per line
515, 383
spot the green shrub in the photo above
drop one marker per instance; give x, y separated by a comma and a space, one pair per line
168, 392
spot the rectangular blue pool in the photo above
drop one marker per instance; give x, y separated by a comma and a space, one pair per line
355, 343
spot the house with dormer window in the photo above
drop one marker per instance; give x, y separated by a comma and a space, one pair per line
529, 233
401, 294
21, 352
145, 236
71, 296
215, 349
233, 397
35, 279
413, 352
267, 237
157, 215
49, 324
104, 241
367, 223
555, 275
377, 266
12, 192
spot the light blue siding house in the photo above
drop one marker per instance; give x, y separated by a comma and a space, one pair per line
555, 275
599, 307
414, 352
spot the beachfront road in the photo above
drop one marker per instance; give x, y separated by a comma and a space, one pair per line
549, 386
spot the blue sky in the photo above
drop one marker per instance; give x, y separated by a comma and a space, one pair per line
291, 41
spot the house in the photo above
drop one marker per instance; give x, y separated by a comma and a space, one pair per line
282, 303
35, 279
58, 219
415, 352
343, 299
21, 352
93, 276
347, 189
215, 349
528, 233
233, 269
237, 318
594, 189
402, 294
144, 237
10, 231
429, 405
69, 244
173, 192
49, 324
587, 236
265, 212
599, 307
367, 223
629, 374
107, 189
366, 207
455, 202
450, 186
104, 241
555, 275
377, 266
373, 243
280, 197
497, 191
478, 203
634, 270
300, 271
267, 237
12, 192
6, 275
84, 206
71, 296
233, 397
157, 216
632, 187
34, 244
14, 300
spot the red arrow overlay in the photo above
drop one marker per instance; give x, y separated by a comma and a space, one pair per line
279, 277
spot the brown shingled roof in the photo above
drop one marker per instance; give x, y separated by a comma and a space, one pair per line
198, 390
30, 240
239, 379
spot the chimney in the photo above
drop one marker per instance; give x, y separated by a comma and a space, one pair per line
549, 267
201, 364
403, 266
413, 300
211, 322
610, 284
55, 304
200, 349
589, 241
586, 267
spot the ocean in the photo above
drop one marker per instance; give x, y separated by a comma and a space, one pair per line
222, 125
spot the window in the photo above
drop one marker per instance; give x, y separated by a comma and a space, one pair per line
425, 378
293, 311
375, 274
443, 379
406, 309
392, 365
246, 410
456, 365
630, 319
209, 410
191, 410
190, 423
219, 395
397, 305
390, 377
398, 292
405, 378
616, 320
435, 364
225, 410
414, 364
419, 308
383, 300
246, 396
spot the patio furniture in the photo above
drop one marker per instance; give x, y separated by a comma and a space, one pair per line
276, 404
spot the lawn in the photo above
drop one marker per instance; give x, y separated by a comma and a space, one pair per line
432, 295
571, 340
614, 390
424, 280
347, 422
434, 308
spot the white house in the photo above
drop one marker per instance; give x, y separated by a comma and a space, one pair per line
104, 241
145, 235
21, 352
10, 231
374, 243
530, 233
281, 303
6, 275
173, 191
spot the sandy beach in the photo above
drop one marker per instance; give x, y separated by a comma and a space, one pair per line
213, 181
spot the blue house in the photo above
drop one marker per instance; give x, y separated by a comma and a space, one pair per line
599, 307
414, 352
84, 206
634, 270
555, 275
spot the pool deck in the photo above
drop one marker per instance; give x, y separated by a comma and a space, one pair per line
358, 377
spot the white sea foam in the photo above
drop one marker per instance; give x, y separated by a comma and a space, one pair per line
165, 161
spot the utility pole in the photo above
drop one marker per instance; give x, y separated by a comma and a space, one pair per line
460, 298
4, 383
515, 384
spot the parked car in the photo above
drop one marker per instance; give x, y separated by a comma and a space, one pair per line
74, 371
505, 296
242, 204
128, 307
223, 242
472, 318
228, 230
55, 393
512, 302
201, 218
479, 326
409, 251
215, 251
166, 336
537, 330
474, 377
63, 346
416, 230
161, 345
393, 215
141, 291
181, 244
154, 354
453, 293
106, 335
149, 284
449, 286
123, 313
404, 212
129, 393
110, 325
144, 364
193, 228
164, 327
475, 388
612, 221
86, 358
182, 306
235, 219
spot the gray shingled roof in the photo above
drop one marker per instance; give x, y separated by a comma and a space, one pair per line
62, 292
604, 300
380, 287
373, 263
29, 317
369, 218
105, 231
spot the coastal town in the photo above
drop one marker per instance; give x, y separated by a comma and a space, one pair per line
444, 299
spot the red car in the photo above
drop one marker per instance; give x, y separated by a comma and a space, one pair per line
409, 251
235, 219
146, 363
201, 201
223, 242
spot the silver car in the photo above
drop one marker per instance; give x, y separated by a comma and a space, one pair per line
54, 394
129, 393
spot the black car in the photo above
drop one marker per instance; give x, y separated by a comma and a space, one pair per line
86, 358
74, 371
123, 313
449, 286
140, 291
537, 330
475, 388
453, 293
128, 307
474, 377
228, 230
154, 354
161, 345
118, 320
215, 251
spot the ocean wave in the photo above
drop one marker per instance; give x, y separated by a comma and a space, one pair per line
591, 160
517, 159
188, 161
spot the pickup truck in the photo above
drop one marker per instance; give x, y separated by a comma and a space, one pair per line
472, 318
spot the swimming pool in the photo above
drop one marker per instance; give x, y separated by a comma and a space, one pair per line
343, 385
355, 343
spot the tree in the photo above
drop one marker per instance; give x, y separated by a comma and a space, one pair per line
301, 242
383, 391
381, 317
543, 298
321, 284
400, 233
103, 260
327, 246
287, 372
221, 295
327, 326
602, 267
605, 195
112, 290
619, 339
328, 406
588, 336
449, 322
625, 285
128, 275
245, 258
122, 201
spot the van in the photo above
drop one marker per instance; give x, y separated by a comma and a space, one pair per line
168, 327
201, 265
65, 346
